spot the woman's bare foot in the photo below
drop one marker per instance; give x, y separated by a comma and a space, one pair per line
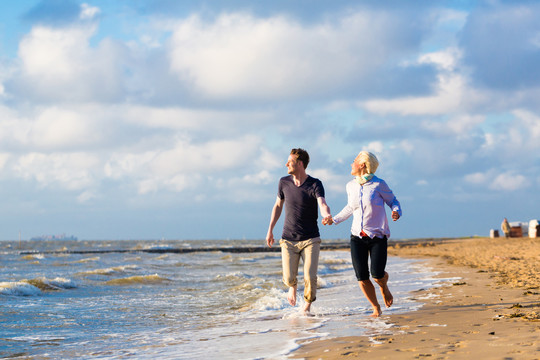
385, 291
376, 312
292, 296
387, 296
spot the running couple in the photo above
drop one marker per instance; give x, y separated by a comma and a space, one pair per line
301, 195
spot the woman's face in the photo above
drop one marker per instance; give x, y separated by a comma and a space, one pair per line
358, 168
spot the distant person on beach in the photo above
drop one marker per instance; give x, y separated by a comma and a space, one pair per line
505, 227
300, 195
366, 196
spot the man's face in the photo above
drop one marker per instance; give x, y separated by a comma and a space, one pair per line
293, 165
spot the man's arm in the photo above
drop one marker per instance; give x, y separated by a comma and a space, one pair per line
325, 211
274, 217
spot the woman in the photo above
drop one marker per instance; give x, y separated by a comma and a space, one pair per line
366, 196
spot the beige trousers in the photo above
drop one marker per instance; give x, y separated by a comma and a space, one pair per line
308, 250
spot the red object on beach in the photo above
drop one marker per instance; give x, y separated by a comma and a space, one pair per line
516, 231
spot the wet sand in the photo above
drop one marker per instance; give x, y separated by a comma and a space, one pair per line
491, 312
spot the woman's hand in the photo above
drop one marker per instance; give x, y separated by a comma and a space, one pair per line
328, 220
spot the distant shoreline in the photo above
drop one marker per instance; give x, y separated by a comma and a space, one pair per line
329, 245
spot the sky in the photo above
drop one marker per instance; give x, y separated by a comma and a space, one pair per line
160, 119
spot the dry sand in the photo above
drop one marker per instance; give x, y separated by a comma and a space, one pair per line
492, 312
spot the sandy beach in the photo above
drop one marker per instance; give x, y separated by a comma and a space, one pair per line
491, 312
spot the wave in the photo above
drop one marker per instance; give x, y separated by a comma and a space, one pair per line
109, 271
18, 288
87, 260
234, 276
34, 287
144, 279
153, 247
274, 299
58, 283
33, 257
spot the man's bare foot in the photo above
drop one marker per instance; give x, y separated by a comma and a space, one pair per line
385, 291
292, 296
307, 309
376, 312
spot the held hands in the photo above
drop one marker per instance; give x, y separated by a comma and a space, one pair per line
328, 220
395, 215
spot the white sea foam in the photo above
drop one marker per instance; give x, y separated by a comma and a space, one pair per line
138, 279
35, 286
58, 283
109, 271
37, 339
61, 283
34, 257
321, 282
158, 247
275, 299
18, 288
87, 260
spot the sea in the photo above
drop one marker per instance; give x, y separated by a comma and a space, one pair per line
199, 299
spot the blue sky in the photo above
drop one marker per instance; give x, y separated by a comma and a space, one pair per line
165, 119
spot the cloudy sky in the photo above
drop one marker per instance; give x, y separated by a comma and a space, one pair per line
163, 119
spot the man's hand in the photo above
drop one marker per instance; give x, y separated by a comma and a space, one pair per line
270, 239
328, 220
395, 215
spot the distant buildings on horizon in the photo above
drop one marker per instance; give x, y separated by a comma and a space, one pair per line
54, 237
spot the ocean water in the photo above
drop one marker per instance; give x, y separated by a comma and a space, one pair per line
120, 300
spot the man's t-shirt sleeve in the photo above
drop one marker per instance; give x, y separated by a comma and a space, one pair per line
319, 189
281, 194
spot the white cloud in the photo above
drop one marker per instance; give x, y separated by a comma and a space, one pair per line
375, 147
49, 54
60, 64
72, 171
495, 180
457, 125
183, 165
406, 146
530, 122
88, 12
477, 178
193, 119
240, 55
509, 181
86, 196
447, 60
4, 157
448, 98
13, 128
270, 161
452, 93
58, 128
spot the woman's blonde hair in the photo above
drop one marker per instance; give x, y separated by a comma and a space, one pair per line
365, 157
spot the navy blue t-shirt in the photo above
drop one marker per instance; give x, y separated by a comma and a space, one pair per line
301, 209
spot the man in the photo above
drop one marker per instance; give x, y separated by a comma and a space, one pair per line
301, 195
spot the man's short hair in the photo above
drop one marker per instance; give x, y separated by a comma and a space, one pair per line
301, 155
